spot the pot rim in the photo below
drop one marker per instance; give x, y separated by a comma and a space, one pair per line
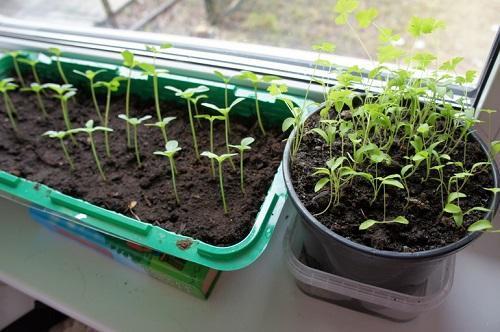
441, 251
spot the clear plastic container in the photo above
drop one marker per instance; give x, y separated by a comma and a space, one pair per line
363, 297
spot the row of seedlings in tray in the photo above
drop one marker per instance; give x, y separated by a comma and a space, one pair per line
65, 92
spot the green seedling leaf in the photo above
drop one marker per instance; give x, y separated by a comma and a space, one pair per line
480, 225
367, 224
320, 184
343, 8
454, 196
493, 190
366, 17
393, 183
451, 64
495, 147
452, 208
389, 53
477, 208
419, 26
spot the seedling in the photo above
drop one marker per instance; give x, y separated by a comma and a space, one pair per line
91, 75
225, 113
220, 159
244, 146
64, 93
328, 134
7, 85
170, 149
130, 63
151, 70
89, 129
225, 80
37, 89
163, 125
111, 86
211, 119
32, 64
15, 55
332, 174
195, 103
257, 80
188, 95
135, 122
370, 222
57, 53
60, 135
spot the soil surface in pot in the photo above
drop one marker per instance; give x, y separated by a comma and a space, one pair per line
428, 228
200, 213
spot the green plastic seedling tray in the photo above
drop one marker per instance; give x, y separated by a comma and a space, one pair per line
52, 201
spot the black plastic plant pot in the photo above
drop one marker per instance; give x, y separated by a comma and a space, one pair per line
399, 271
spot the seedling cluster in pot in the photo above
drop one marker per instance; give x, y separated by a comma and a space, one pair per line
415, 111
99, 124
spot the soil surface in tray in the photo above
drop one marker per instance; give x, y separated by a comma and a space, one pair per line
200, 213
427, 228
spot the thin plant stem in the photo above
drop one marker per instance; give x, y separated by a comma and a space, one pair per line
157, 105
212, 165
40, 103
173, 171
257, 109
18, 72
61, 71
9, 112
242, 185
196, 113
96, 157
221, 184
35, 74
136, 147
193, 131
384, 202
127, 109
226, 103
106, 120
94, 100
226, 121
64, 107
66, 155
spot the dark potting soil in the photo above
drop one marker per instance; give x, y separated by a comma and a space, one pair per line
200, 214
428, 228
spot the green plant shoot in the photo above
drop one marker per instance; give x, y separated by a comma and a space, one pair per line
15, 55
188, 95
91, 75
7, 85
163, 125
135, 122
220, 159
195, 103
225, 80
151, 70
60, 135
370, 222
111, 86
243, 146
89, 129
225, 113
130, 63
211, 119
37, 89
64, 93
171, 148
32, 64
57, 53
257, 80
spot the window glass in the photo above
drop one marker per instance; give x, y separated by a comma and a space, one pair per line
470, 25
